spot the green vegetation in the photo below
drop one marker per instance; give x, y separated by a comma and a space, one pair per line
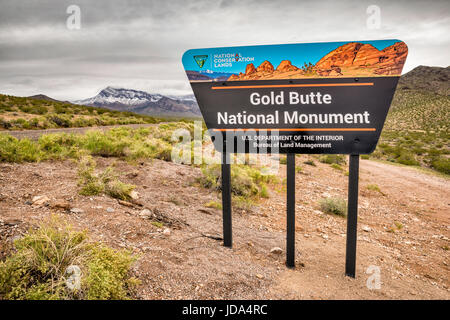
214, 204
332, 159
126, 143
105, 182
158, 224
416, 131
336, 206
397, 226
38, 267
18, 113
310, 163
337, 167
247, 183
308, 69
376, 188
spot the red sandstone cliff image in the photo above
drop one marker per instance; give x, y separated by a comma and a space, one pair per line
353, 59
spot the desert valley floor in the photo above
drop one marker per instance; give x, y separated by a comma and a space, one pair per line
403, 229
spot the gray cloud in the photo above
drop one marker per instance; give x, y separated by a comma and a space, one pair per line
139, 44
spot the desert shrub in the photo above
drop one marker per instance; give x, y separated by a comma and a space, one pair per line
60, 121
332, 159
375, 187
105, 182
125, 143
407, 159
5, 124
283, 160
263, 191
33, 109
118, 189
105, 144
310, 163
159, 149
15, 150
336, 206
308, 69
246, 181
37, 270
59, 146
336, 166
441, 164
214, 204
90, 183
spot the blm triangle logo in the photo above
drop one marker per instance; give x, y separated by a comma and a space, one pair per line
201, 60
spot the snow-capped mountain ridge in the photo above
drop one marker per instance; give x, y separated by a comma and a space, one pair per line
111, 95
143, 102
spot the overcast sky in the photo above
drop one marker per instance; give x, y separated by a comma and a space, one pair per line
139, 44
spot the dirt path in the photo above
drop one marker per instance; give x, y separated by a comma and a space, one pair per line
404, 231
35, 134
410, 184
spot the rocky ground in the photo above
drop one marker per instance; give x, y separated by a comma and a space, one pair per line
403, 229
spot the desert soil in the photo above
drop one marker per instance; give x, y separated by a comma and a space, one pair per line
404, 231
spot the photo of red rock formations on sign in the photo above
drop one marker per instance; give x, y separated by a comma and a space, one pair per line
353, 59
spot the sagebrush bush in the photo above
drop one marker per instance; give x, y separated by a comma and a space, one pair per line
15, 150
332, 159
336, 206
126, 143
36, 270
441, 164
246, 181
105, 182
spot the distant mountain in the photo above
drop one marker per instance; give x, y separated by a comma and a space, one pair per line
42, 97
143, 102
431, 79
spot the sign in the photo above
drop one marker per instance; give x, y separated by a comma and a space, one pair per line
328, 97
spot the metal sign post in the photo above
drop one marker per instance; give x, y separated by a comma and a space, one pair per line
290, 217
226, 199
352, 215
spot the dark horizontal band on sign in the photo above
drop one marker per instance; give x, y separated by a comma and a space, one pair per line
295, 85
300, 129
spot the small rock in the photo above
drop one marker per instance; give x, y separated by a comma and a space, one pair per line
366, 229
145, 213
61, 204
76, 210
134, 195
40, 200
166, 231
110, 210
325, 236
276, 250
259, 276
